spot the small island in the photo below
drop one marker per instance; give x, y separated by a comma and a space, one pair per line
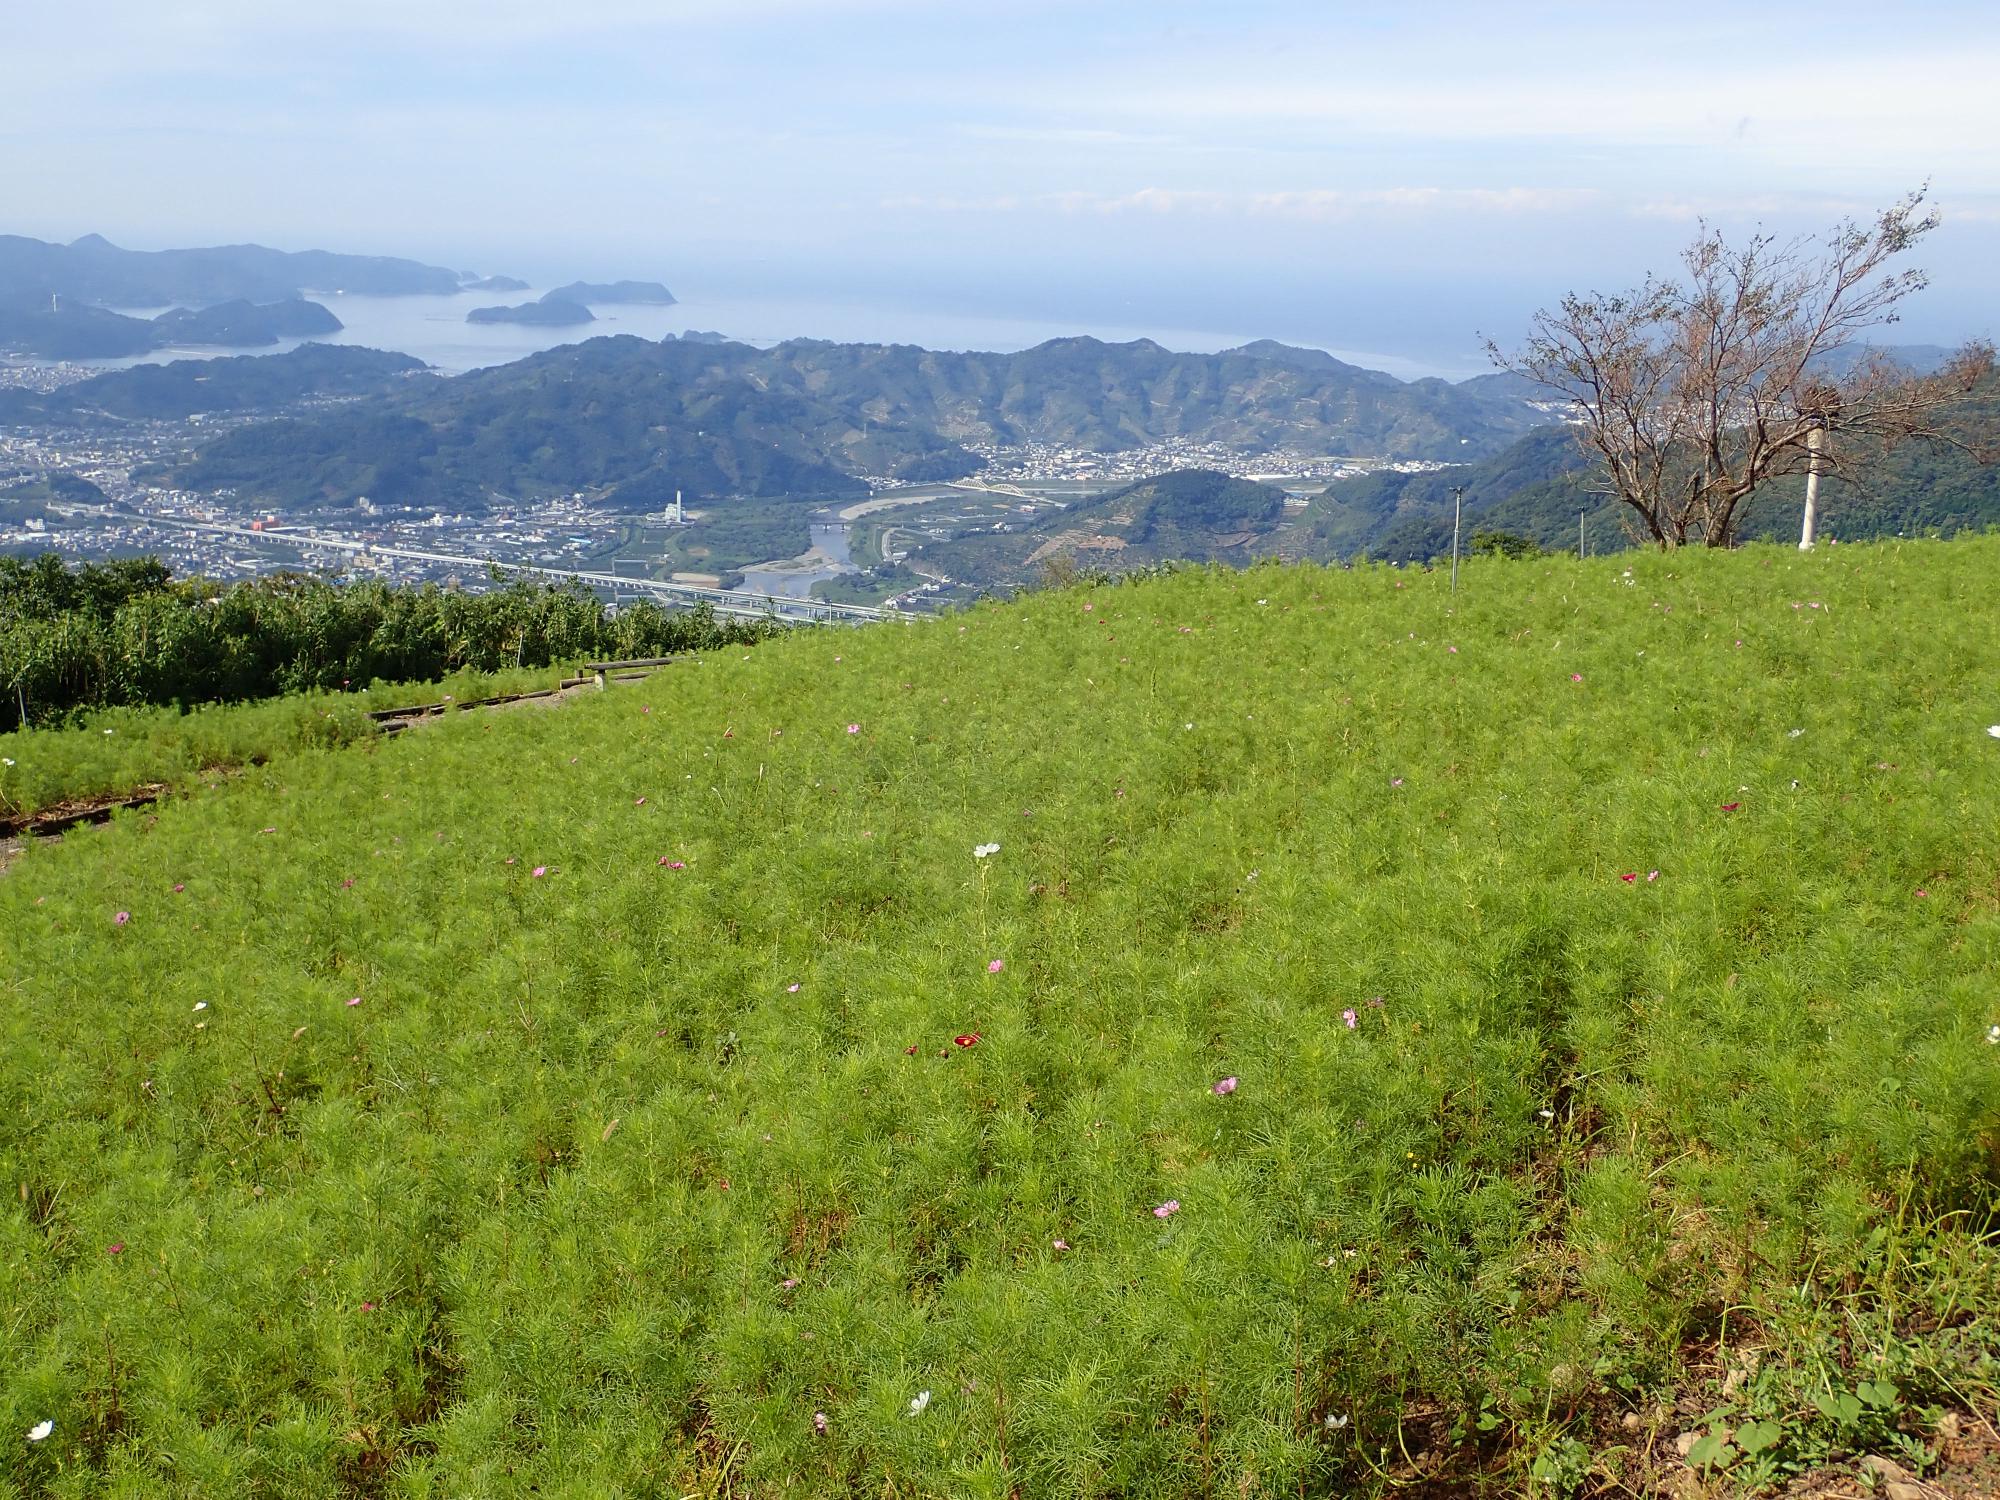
543, 314
649, 293
241, 324
493, 284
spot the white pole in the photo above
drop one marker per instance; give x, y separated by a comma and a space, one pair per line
1579, 536
1815, 440
1457, 497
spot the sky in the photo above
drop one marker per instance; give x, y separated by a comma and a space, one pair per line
1404, 177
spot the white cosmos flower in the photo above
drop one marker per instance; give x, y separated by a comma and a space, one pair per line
982, 851
40, 1430
1333, 1423
1992, 729
201, 1005
8, 760
923, 1399
1993, 1036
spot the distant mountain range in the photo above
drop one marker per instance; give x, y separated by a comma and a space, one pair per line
94, 270
55, 300
632, 421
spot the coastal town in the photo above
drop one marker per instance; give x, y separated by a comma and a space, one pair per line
112, 500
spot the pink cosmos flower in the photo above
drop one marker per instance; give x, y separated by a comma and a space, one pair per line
672, 864
354, 1002
1223, 1086
1651, 876
178, 889
789, 1282
993, 968
122, 918
1350, 1018
854, 729
1922, 892
1576, 677
791, 989
1395, 781
639, 802
270, 830
1452, 649
1059, 1244
539, 871
368, 1307
1168, 1209
115, 1249
347, 884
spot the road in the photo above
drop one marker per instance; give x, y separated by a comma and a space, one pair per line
737, 602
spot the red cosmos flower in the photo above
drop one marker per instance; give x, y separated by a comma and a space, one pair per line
1731, 806
966, 1039
1628, 879
117, 1249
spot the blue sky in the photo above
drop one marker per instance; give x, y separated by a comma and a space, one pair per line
1380, 176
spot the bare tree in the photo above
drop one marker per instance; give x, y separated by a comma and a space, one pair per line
1695, 392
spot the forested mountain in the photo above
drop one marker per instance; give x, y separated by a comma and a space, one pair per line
242, 324
58, 328
649, 293
1537, 488
241, 383
1195, 515
94, 270
635, 420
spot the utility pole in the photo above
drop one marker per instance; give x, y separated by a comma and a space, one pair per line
1579, 536
1815, 441
1457, 502
1820, 406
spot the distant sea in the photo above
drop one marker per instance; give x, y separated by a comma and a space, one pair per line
434, 330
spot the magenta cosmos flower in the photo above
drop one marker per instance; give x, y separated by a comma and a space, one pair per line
854, 729
1350, 1018
993, 968
539, 871
1168, 1209
1223, 1086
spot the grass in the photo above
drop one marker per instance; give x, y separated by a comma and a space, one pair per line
702, 1080
111, 751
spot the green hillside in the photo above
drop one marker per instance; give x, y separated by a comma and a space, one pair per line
1399, 1044
630, 418
1187, 515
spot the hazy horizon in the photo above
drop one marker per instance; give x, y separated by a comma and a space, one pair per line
1356, 181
